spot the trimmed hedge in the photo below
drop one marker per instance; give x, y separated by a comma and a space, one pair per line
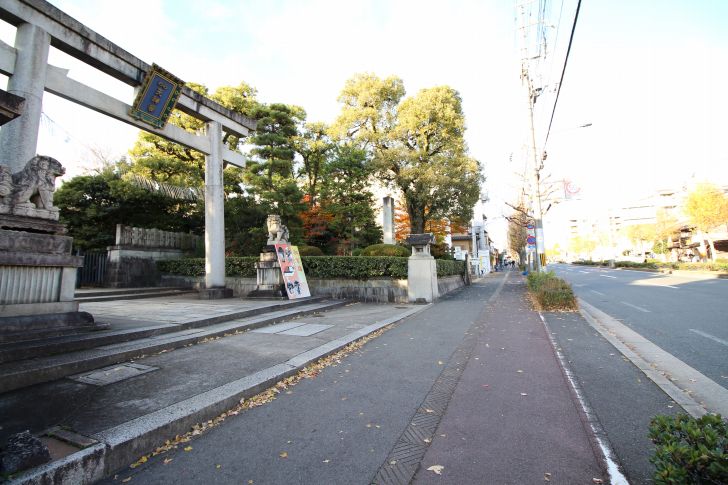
709, 266
242, 266
355, 267
690, 450
447, 267
550, 292
386, 250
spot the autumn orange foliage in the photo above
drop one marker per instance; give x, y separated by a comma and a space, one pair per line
438, 227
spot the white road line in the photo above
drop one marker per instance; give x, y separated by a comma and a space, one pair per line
637, 307
607, 276
711, 337
585, 272
670, 286
598, 292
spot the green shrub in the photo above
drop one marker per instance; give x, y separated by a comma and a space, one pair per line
632, 264
241, 266
386, 250
355, 267
309, 251
690, 450
447, 267
550, 292
709, 266
356, 252
183, 267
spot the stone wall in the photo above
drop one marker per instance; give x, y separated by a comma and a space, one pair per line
449, 283
132, 260
380, 290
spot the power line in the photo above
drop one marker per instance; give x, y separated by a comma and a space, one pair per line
563, 70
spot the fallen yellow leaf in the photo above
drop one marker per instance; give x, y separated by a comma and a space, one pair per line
283, 454
436, 468
218, 466
187, 448
167, 461
126, 480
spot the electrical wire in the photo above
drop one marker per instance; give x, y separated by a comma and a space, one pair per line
563, 70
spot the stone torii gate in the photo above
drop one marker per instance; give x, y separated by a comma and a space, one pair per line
41, 25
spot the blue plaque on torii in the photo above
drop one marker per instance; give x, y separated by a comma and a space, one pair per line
157, 97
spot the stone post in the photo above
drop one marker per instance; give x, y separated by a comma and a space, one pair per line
19, 139
388, 220
214, 218
421, 270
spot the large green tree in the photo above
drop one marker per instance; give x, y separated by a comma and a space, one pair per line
416, 144
92, 205
270, 175
347, 200
314, 146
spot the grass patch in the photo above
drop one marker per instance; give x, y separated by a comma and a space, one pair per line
550, 293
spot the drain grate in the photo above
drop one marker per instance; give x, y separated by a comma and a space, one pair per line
112, 374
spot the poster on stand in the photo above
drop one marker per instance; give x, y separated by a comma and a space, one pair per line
294, 278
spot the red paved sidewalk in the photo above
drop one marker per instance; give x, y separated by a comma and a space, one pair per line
512, 419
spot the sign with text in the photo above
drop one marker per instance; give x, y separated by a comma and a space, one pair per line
157, 97
294, 278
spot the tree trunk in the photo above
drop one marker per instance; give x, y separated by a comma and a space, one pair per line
417, 218
711, 246
417, 223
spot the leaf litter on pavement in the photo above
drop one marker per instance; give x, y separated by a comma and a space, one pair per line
309, 372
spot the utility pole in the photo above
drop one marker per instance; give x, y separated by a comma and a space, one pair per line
536, 190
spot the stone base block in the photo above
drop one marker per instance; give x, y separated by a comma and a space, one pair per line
24, 223
269, 292
215, 293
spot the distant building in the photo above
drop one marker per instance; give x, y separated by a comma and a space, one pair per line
608, 229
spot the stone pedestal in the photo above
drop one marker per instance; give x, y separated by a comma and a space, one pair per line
269, 278
37, 279
421, 270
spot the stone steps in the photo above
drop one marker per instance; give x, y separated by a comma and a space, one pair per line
129, 294
108, 348
64, 343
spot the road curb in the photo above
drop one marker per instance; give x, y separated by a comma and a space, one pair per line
598, 437
663, 366
123, 444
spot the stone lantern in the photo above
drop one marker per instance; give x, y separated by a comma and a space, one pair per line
421, 270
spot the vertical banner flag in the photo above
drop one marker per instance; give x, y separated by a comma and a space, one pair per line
292, 269
530, 237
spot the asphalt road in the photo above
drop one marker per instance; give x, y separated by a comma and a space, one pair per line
336, 428
685, 316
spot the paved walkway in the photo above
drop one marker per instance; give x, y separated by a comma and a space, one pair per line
470, 384
511, 419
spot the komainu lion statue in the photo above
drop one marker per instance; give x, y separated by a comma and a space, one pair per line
277, 232
34, 185
6, 185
